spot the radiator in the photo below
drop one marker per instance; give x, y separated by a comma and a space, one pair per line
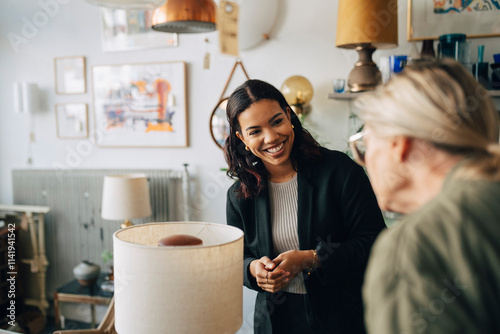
74, 229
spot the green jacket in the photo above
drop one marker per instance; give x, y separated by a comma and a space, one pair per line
438, 270
338, 216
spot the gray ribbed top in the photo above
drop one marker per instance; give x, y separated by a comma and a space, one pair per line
283, 199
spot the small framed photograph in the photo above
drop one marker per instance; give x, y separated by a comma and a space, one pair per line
140, 105
72, 120
70, 75
125, 30
429, 19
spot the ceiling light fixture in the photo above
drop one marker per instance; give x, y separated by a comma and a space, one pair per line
185, 16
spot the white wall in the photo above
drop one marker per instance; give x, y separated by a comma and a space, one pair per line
302, 42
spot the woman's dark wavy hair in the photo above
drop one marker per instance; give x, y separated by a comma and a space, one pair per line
243, 164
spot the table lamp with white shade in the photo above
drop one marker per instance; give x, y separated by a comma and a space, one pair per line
178, 289
125, 197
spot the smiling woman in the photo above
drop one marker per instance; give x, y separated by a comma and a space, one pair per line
309, 216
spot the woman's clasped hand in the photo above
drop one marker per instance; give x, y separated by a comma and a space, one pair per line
274, 275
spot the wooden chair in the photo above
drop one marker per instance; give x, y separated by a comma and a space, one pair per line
107, 325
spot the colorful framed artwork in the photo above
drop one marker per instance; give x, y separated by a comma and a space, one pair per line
72, 120
429, 19
70, 75
124, 30
140, 105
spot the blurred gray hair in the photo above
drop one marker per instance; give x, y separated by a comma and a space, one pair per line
440, 102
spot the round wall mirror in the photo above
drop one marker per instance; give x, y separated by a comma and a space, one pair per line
219, 126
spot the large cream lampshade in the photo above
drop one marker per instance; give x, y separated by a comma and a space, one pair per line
181, 289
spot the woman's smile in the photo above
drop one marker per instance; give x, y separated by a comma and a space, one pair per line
276, 149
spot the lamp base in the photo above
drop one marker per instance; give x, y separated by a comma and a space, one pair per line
126, 223
365, 76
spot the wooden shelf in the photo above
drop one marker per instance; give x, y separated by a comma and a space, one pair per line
351, 96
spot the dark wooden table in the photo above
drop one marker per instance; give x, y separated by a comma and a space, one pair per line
74, 292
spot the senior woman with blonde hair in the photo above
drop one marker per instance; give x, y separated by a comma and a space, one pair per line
430, 146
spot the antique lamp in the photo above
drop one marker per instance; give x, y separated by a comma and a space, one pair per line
298, 92
178, 289
125, 197
185, 16
365, 26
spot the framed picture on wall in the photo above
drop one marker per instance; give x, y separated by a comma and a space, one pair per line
72, 120
124, 30
140, 105
70, 75
429, 19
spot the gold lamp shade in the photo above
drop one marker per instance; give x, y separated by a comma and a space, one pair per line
298, 92
185, 16
365, 26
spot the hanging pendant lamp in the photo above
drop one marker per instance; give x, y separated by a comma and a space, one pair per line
185, 16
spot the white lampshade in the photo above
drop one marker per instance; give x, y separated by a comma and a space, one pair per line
25, 97
183, 289
125, 197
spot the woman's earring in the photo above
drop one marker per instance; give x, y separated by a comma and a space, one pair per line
247, 148
293, 127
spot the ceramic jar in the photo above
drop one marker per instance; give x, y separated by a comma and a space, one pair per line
86, 272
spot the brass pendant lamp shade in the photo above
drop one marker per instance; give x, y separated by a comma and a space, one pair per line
298, 92
185, 16
365, 26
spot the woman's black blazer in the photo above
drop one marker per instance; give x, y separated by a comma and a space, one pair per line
338, 216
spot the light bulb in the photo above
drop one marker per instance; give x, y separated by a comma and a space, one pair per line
297, 90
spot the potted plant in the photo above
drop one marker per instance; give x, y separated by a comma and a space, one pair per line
107, 257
